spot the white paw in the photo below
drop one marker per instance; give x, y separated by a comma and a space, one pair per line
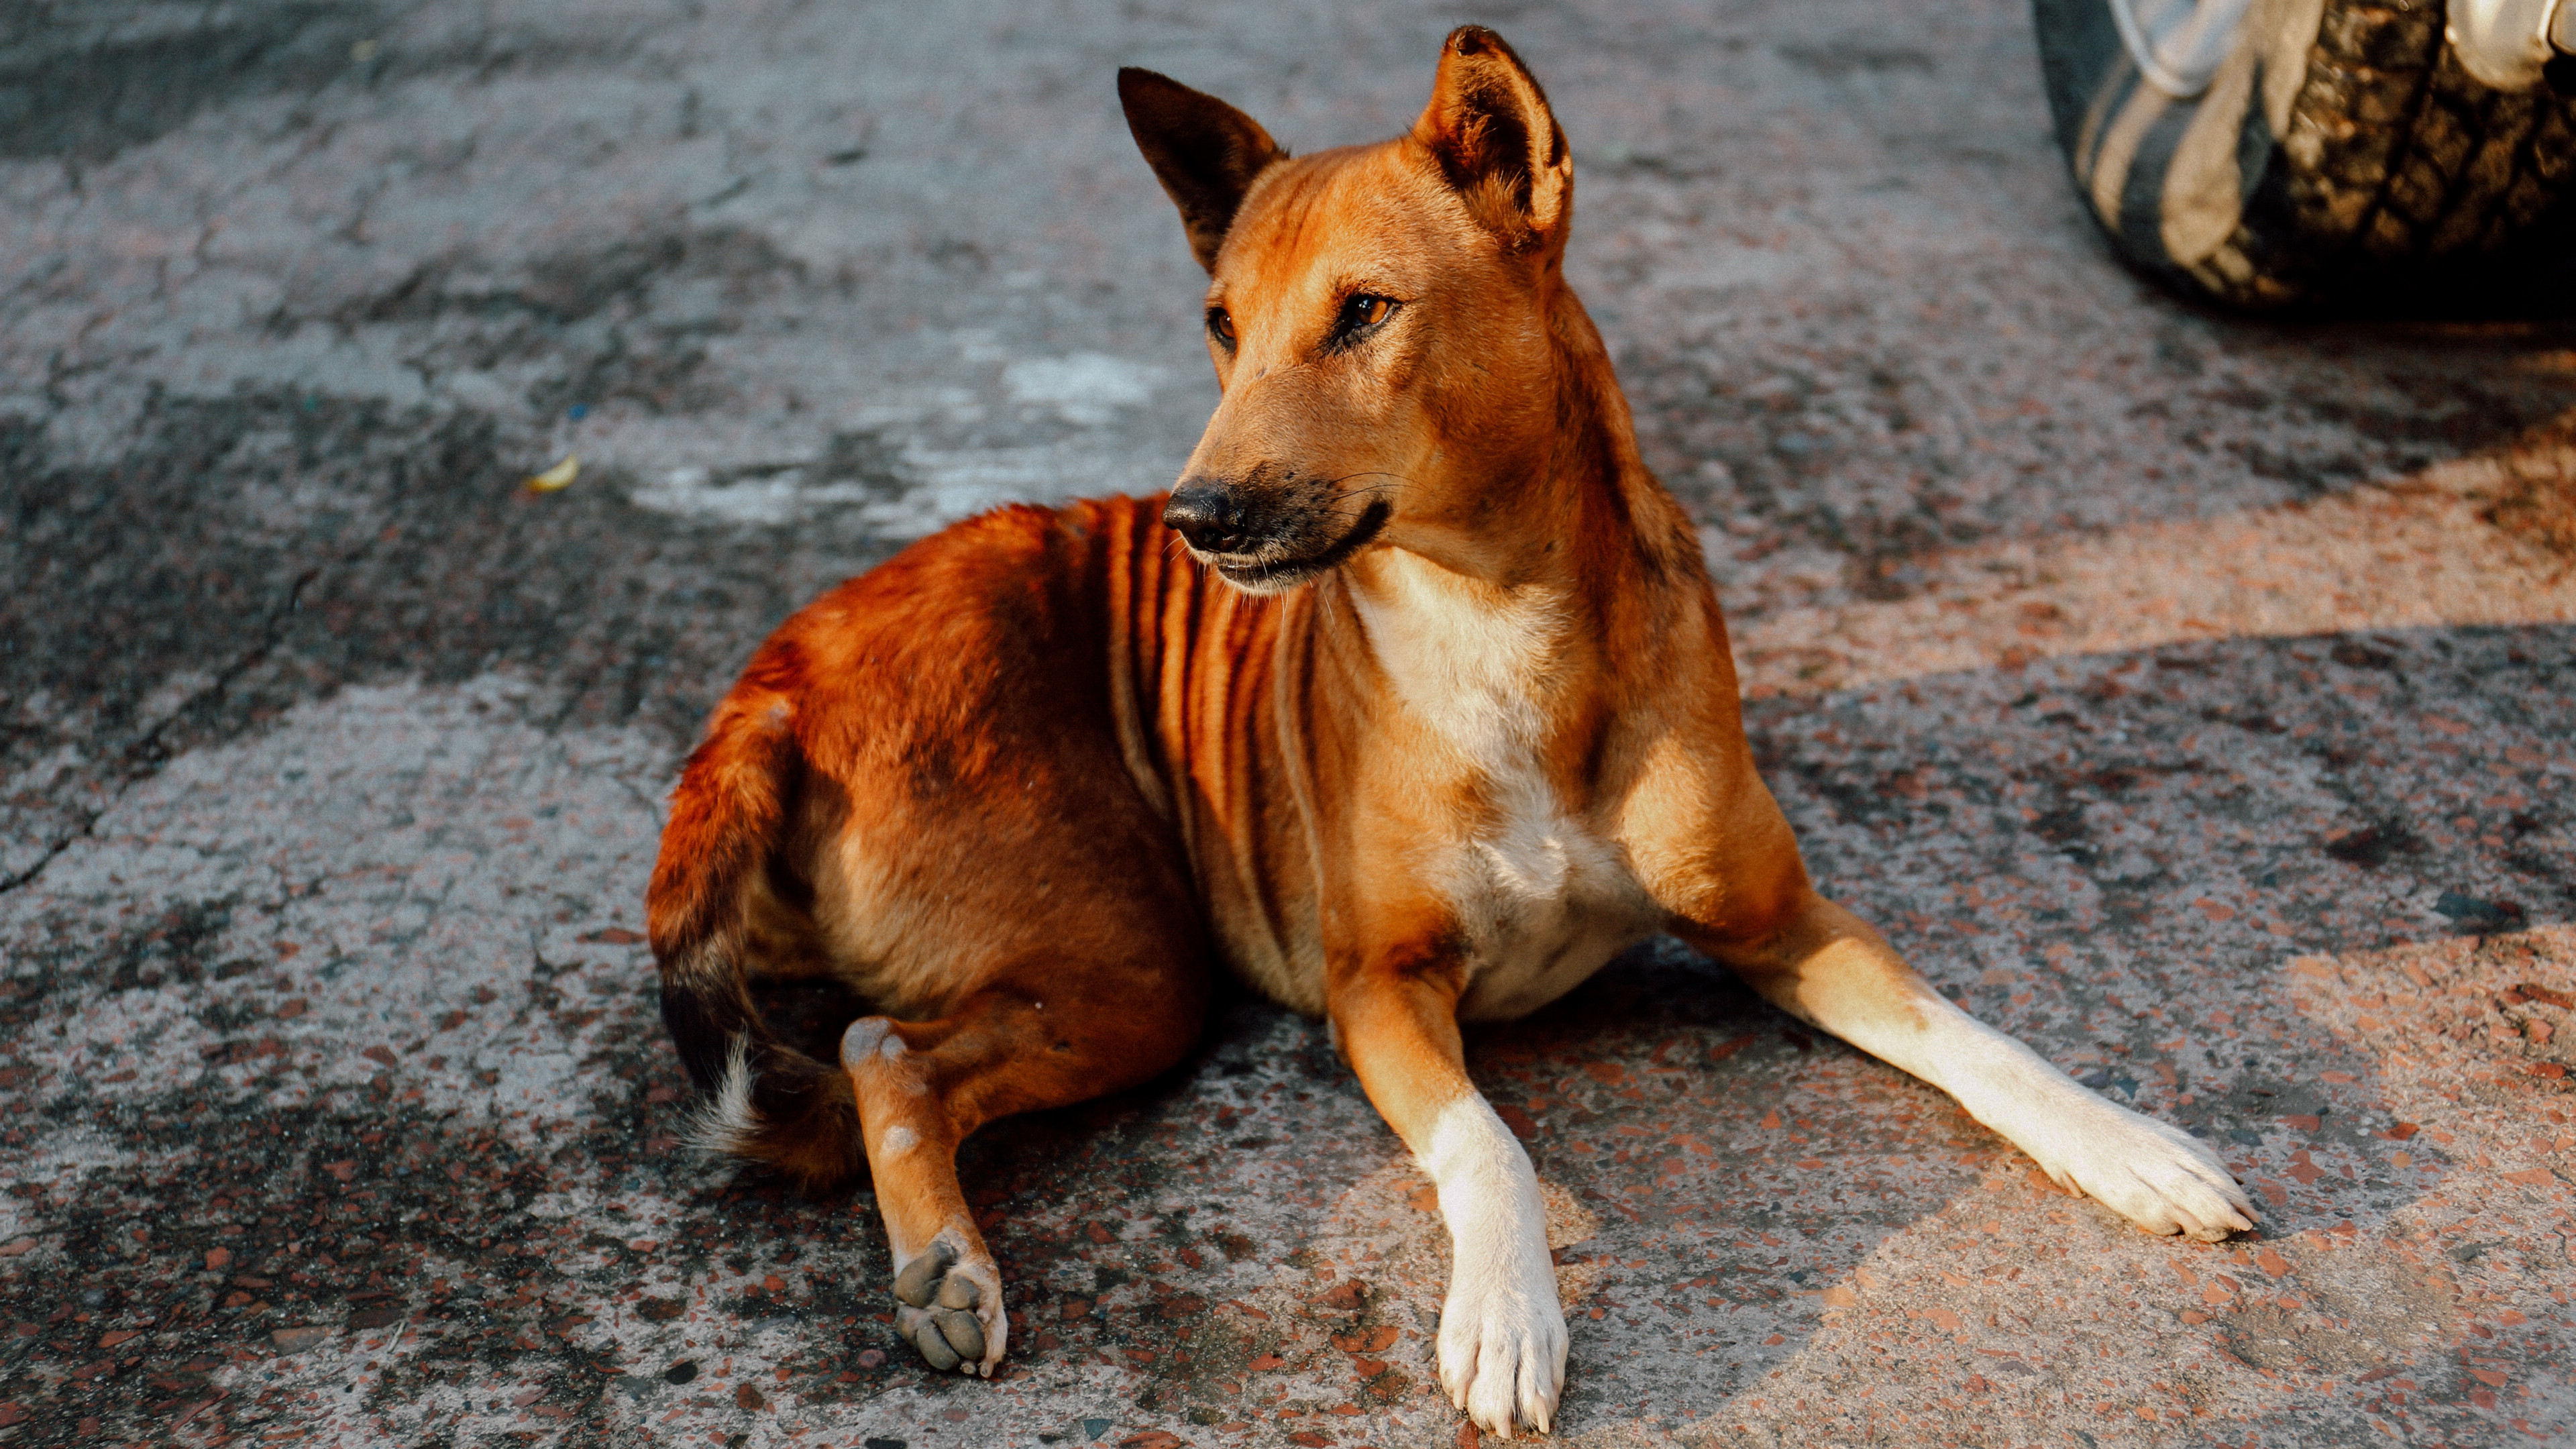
2154, 1174
1502, 1348
1502, 1334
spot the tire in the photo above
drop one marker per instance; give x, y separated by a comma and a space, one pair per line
2340, 154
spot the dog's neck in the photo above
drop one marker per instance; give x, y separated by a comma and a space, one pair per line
1488, 631
1578, 500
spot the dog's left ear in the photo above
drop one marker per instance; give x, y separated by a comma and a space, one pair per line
1489, 127
1205, 152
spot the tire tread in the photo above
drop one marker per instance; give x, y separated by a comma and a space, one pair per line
2395, 164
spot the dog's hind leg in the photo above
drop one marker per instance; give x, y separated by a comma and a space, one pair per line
1822, 964
1044, 1036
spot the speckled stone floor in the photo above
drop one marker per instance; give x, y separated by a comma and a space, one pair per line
2195, 698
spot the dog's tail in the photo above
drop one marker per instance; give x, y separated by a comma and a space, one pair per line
759, 1097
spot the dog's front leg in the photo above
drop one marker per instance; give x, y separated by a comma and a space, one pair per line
1822, 964
1502, 1331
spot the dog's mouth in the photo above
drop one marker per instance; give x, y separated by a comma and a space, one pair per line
1263, 572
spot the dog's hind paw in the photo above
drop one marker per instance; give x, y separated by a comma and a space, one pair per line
949, 1308
1502, 1354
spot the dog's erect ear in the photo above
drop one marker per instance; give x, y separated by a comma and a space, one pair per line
1204, 151
1489, 127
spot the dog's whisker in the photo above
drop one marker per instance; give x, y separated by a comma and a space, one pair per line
1395, 481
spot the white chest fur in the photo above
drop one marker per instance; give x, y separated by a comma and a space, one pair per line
1543, 899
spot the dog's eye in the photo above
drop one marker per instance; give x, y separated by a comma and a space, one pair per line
1362, 312
1220, 326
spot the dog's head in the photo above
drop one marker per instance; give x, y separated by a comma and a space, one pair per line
1380, 317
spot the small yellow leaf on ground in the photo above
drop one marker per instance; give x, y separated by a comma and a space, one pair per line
558, 476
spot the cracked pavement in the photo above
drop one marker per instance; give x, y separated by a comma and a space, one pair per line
2192, 697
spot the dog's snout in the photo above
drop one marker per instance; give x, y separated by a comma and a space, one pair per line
1208, 515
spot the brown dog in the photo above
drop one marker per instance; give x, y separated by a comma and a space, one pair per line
1445, 721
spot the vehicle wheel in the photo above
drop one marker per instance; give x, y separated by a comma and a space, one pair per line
2328, 150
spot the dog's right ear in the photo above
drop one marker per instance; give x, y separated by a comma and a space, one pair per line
1205, 152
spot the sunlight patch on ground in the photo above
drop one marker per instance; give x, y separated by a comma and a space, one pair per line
2416, 554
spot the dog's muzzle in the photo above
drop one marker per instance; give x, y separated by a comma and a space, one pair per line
1269, 538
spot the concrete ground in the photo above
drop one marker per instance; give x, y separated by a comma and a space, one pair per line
2195, 698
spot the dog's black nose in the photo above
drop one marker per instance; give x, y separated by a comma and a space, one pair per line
1206, 514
